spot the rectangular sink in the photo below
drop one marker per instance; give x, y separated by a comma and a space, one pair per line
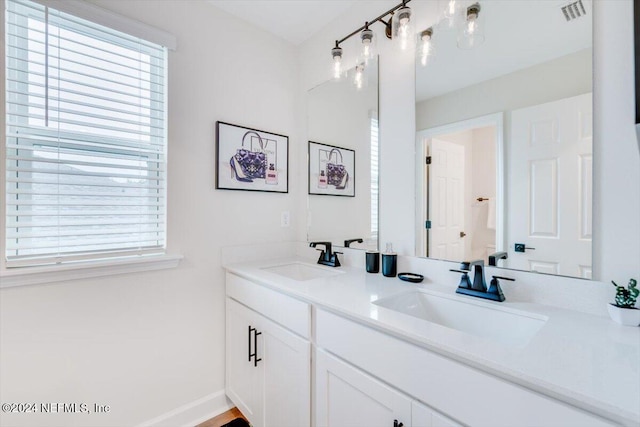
506, 326
301, 271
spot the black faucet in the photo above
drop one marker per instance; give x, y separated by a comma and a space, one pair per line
493, 258
478, 283
479, 286
350, 241
326, 256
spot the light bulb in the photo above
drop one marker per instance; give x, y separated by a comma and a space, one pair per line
337, 67
403, 27
471, 35
368, 44
471, 26
425, 46
336, 53
358, 76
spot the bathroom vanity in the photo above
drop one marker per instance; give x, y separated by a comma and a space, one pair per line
312, 345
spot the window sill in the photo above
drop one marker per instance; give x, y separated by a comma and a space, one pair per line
58, 273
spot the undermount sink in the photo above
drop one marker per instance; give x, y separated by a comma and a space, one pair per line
504, 325
301, 271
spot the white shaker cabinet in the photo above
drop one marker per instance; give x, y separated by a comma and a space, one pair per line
346, 396
460, 392
242, 377
268, 370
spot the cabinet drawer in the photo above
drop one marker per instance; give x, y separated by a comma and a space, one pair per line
289, 312
466, 394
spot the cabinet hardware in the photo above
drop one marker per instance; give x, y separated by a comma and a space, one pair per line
249, 347
397, 424
255, 347
254, 354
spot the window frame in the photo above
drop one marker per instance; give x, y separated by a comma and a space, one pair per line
16, 276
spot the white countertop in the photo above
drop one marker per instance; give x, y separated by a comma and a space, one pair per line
587, 361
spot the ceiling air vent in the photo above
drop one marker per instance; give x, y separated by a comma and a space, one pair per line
574, 10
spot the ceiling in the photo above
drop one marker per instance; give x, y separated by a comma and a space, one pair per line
293, 20
518, 34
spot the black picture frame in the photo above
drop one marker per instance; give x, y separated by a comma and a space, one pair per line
249, 159
338, 167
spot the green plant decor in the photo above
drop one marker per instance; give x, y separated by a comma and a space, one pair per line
626, 298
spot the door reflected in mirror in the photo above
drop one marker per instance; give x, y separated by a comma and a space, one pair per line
504, 137
460, 189
342, 128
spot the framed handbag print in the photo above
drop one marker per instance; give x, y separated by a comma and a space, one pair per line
251, 159
332, 170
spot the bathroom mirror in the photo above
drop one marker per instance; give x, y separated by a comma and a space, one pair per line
342, 123
504, 137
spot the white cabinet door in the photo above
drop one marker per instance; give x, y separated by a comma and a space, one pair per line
243, 379
287, 377
347, 397
268, 370
423, 416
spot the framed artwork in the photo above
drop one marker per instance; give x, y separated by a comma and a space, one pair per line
251, 159
332, 170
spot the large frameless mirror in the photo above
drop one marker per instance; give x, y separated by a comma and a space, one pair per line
343, 160
504, 136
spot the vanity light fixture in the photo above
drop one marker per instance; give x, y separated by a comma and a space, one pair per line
368, 38
403, 27
398, 27
336, 69
472, 34
425, 46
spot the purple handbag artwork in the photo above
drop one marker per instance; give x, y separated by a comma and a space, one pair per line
337, 174
247, 164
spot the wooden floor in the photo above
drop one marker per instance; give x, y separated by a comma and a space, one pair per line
222, 419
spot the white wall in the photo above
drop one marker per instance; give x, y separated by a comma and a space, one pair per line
563, 77
616, 159
148, 343
616, 214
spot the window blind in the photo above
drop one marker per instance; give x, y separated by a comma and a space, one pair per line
85, 139
374, 174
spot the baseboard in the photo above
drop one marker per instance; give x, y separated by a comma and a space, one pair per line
193, 413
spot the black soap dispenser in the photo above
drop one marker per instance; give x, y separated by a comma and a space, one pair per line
389, 262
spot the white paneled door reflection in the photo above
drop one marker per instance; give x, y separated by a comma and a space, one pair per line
550, 186
446, 200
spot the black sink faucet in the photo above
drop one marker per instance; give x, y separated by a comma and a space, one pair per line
350, 241
326, 256
477, 267
493, 258
479, 286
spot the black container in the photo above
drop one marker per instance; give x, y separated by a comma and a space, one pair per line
389, 265
373, 262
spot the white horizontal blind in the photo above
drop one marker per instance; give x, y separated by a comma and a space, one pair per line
85, 139
374, 174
